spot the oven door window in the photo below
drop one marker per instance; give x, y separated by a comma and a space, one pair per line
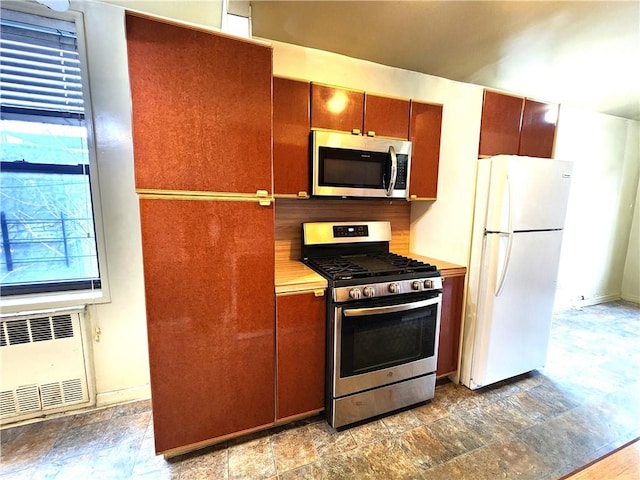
376, 341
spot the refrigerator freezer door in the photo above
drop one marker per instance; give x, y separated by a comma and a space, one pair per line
527, 193
515, 305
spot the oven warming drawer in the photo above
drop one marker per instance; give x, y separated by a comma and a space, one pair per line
360, 406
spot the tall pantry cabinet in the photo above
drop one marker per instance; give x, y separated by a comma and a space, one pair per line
202, 155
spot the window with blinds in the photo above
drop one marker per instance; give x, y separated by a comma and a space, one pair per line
48, 241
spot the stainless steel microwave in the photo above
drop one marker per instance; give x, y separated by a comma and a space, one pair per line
346, 165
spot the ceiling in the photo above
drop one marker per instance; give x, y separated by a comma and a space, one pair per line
585, 54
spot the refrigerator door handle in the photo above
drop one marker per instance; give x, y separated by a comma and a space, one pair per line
505, 265
509, 199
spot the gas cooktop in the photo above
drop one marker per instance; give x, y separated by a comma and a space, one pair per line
369, 265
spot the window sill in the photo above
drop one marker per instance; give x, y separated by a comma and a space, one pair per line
21, 303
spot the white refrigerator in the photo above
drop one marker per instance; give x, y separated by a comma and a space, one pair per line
519, 216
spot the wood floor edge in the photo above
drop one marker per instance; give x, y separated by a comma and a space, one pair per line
599, 459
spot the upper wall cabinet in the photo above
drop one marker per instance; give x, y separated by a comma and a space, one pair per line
334, 108
424, 133
539, 120
197, 123
386, 117
291, 126
513, 125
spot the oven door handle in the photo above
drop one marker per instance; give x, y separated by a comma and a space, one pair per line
361, 312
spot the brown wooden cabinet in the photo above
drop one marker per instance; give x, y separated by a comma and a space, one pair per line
198, 124
291, 127
450, 323
300, 354
209, 298
335, 108
386, 116
424, 133
500, 124
513, 125
539, 120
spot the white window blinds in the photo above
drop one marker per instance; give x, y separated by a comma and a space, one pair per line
39, 67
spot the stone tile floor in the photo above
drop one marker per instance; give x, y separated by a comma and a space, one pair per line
542, 425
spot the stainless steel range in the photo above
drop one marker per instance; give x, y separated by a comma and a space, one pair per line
383, 320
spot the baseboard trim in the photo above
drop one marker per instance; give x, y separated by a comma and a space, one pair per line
631, 298
142, 392
597, 300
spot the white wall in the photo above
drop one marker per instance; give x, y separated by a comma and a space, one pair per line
120, 351
631, 274
116, 325
200, 12
601, 204
439, 229
604, 186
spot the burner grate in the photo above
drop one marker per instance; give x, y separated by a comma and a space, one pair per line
369, 265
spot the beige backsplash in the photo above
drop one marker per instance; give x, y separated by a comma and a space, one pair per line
291, 213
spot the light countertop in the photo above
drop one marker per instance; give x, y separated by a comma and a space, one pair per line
294, 276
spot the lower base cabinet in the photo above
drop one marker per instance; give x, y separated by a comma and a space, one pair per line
450, 323
209, 299
300, 353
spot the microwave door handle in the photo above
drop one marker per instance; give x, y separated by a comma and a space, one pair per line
394, 171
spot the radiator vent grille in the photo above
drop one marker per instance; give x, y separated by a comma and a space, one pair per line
28, 398
51, 394
8, 405
38, 329
43, 367
72, 390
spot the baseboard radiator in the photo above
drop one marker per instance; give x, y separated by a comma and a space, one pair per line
43, 364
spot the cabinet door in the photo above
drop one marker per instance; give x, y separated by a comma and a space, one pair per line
197, 123
209, 281
450, 324
424, 133
300, 349
500, 124
387, 117
538, 132
335, 108
291, 126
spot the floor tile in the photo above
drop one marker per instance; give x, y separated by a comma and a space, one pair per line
455, 435
328, 441
252, 460
537, 426
369, 432
430, 412
293, 448
400, 422
423, 449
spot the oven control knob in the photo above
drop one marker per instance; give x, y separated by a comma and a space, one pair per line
355, 293
428, 284
416, 285
369, 292
394, 288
